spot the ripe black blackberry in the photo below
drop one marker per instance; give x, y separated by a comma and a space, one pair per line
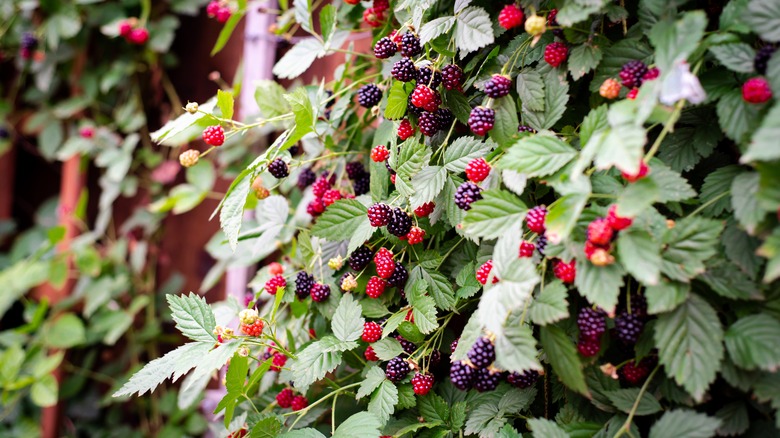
379, 215
410, 45
481, 120
320, 292
486, 380
389, 169
434, 358
467, 193
632, 72
526, 128
762, 57
400, 223
355, 170
444, 119
429, 77
28, 41
428, 123
628, 327
408, 346
399, 277
369, 95
482, 354
278, 168
360, 258
404, 70
303, 284
541, 244
452, 77
362, 185
385, 48
591, 323
462, 375
638, 305
397, 369
498, 86
523, 380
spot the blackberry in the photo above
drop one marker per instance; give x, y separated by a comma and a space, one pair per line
385, 48
410, 45
355, 169
422, 383
369, 95
454, 345
523, 380
408, 346
362, 185
452, 77
435, 358
399, 277
428, 124
634, 373
342, 278
638, 305
482, 354
462, 375
320, 292
4, 133
628, 326
397, 369
535, 219
467, 193
589, 347
400, 223
379, 215
632, 72
444, 119
321, 185
498, 86
28, 42
762, 57
389, 169
278, 168
303, 284
591, 323
360, 258
410, 108
404, 70
541, 244
552, 21
481, 120
526, 128
429, 77
486, 380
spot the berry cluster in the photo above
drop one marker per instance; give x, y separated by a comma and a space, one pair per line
375, 15
477, 370
287, 399
398, 222
220, 10
632, 75
601, 232
133, 32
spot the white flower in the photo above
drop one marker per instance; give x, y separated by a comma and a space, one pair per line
680, 83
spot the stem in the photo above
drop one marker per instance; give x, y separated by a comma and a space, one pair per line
668, 126
627, 425
708, 203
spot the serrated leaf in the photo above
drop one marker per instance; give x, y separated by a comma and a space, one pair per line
505, 125
427, 184
458, 103
683, 423
424, 312
485, 419
736, 117
542, 428
562, 215
716, 189
360, 424
752, 342
193, 316
624, 399
383, 401
317, 360
745, 204
387, 348
595, 121
516, 348
556, 96
298, 59
550, 304
563, 357
675, 40
640, 255
582, 59
672, 187
530, 88
411, 157
473, 30
340, 220
232, 210
736, 57
374, 377
464, 149
538, 155
763, 17
689, 243
689, 341
173, 364
493, 215
729, 281
327, 22
621, 147
396, 101
518, 279
468, 336
666, 296
434, 28
213, 360
270, 427
763, 145
440, 288
734, 419
599, 284
433, 408
347, 323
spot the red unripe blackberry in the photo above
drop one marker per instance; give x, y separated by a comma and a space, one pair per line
87, 132
331, 196
452, 77
125, 27
422, 383
526, 249
369, 95
278, 168
609, 89
535, 219
481, 120
385, 267
462, 375
299, 402
303, 284
382, 5
284, 398
379, 153
399, 277
352, 2
632, 72
428, 124
633, 373
599, 232
375, 287
408, 346
321, 185
138, 36
523, 380
214, 135
415, 235
482, 354
306, 178
422, 96
477, 170
405, 129
374, 17
425, 209
223, 14
566, 272
278, 361
379, 215
652, 73
428, 76
617, 222
641, 173
397, 369
275, 268
483, 272
756, 90
631, 95
410, 45
372, 332
628, 327
385, 48
555, 53
510, 17
383, 253
276, 282
404, 70
467, 193
591, 323
315, 207
498, 86
253, 329
370, 354
360, 258
486, 379
762, 58
589, 347
320, 292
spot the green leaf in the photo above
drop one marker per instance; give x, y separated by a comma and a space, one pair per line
306, 432
374, 377
485, 419
556, 96
734, 419
458, 103
227, 31
383, 401
599, 284
360, 424
538, 155
621, 147
66, 331
684, 423
763, 145
583, 59
689, 341
496, 213
689, 243
427, 184
530, 88
666, 296
411, 332
269, 96
468, 336
672, 187
440, 287
225, 103
44, 391
340, 220
729, 281
303, 111
318, 359
763, 17
595, 121
302, 9
347, 323
433, 408
518, 278
675, 41
562, 355
505, 126
387, 348
542, 428
232, 210
299, 58
550, 304
396, 101
269, 427
562, 215
236, 374
174, 364
327, 22
716, 188
18, 278
410, 159
736, 57
752, 342
640, 255
434, 28
771, 250
516, 348
473, 30
464, 149
745, 204
624, 399
193, 316
737, 118
424, 312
